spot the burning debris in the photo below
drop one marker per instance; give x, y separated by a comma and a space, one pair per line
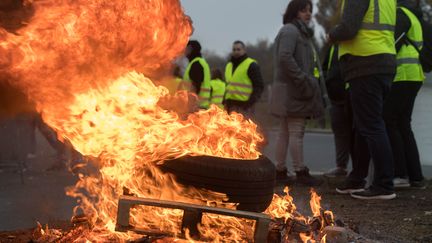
87, 66
257, 227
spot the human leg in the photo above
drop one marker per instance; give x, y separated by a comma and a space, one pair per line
282, 145
393, 112
342, 129
412, 156
296, 127
282, 173
367, 96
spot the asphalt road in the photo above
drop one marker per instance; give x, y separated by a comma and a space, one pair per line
319, 152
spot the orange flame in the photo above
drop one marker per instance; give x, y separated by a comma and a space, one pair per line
282, 207
70, 47
315, 203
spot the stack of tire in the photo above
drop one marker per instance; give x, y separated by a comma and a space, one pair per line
249, 183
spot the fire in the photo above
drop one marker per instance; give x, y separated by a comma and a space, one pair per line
282, 206
315, 203
93, 69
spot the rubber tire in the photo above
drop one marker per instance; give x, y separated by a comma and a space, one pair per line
249, 183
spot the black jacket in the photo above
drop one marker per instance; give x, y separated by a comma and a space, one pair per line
196, 73
335, 84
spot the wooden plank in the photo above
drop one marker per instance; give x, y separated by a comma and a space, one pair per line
185, 206
191, 217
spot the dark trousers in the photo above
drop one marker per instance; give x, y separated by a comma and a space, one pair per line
398, 110
341, 122
367, 98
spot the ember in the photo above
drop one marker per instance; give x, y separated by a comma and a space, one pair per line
87, 66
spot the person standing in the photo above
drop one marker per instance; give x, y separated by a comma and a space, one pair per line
367, 58
340, 113
244, 81
399, 105
217, 88
296, 92
198, 73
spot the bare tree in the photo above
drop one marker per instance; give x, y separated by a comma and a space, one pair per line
426, 6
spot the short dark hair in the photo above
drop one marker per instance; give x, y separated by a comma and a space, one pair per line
196, 46
239, 42
293, 8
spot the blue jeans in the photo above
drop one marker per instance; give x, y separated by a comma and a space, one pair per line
367, 100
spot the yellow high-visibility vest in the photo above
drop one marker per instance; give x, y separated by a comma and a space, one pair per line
408, 63
376, 35
239, 86
218, 91
204, 94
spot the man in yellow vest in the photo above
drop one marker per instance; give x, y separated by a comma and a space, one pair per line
198, 73
218, 87
368, 63
244, 81
399, 105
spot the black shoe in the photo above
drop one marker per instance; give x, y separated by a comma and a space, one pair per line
374, 193
284, 176
417, 185
304, 178
348, 187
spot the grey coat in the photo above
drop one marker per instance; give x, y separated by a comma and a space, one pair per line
295, 91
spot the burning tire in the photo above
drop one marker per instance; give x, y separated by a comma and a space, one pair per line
247, 182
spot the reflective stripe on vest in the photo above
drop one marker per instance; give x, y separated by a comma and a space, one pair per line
204, 94
218, 92
332, 49
239, 86
316, 69
376, 35
409, 67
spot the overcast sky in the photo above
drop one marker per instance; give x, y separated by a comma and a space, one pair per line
218, 23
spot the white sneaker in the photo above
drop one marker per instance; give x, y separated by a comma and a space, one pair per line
400, 182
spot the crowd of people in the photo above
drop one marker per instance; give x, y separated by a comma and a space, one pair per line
237, 89
372, 75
